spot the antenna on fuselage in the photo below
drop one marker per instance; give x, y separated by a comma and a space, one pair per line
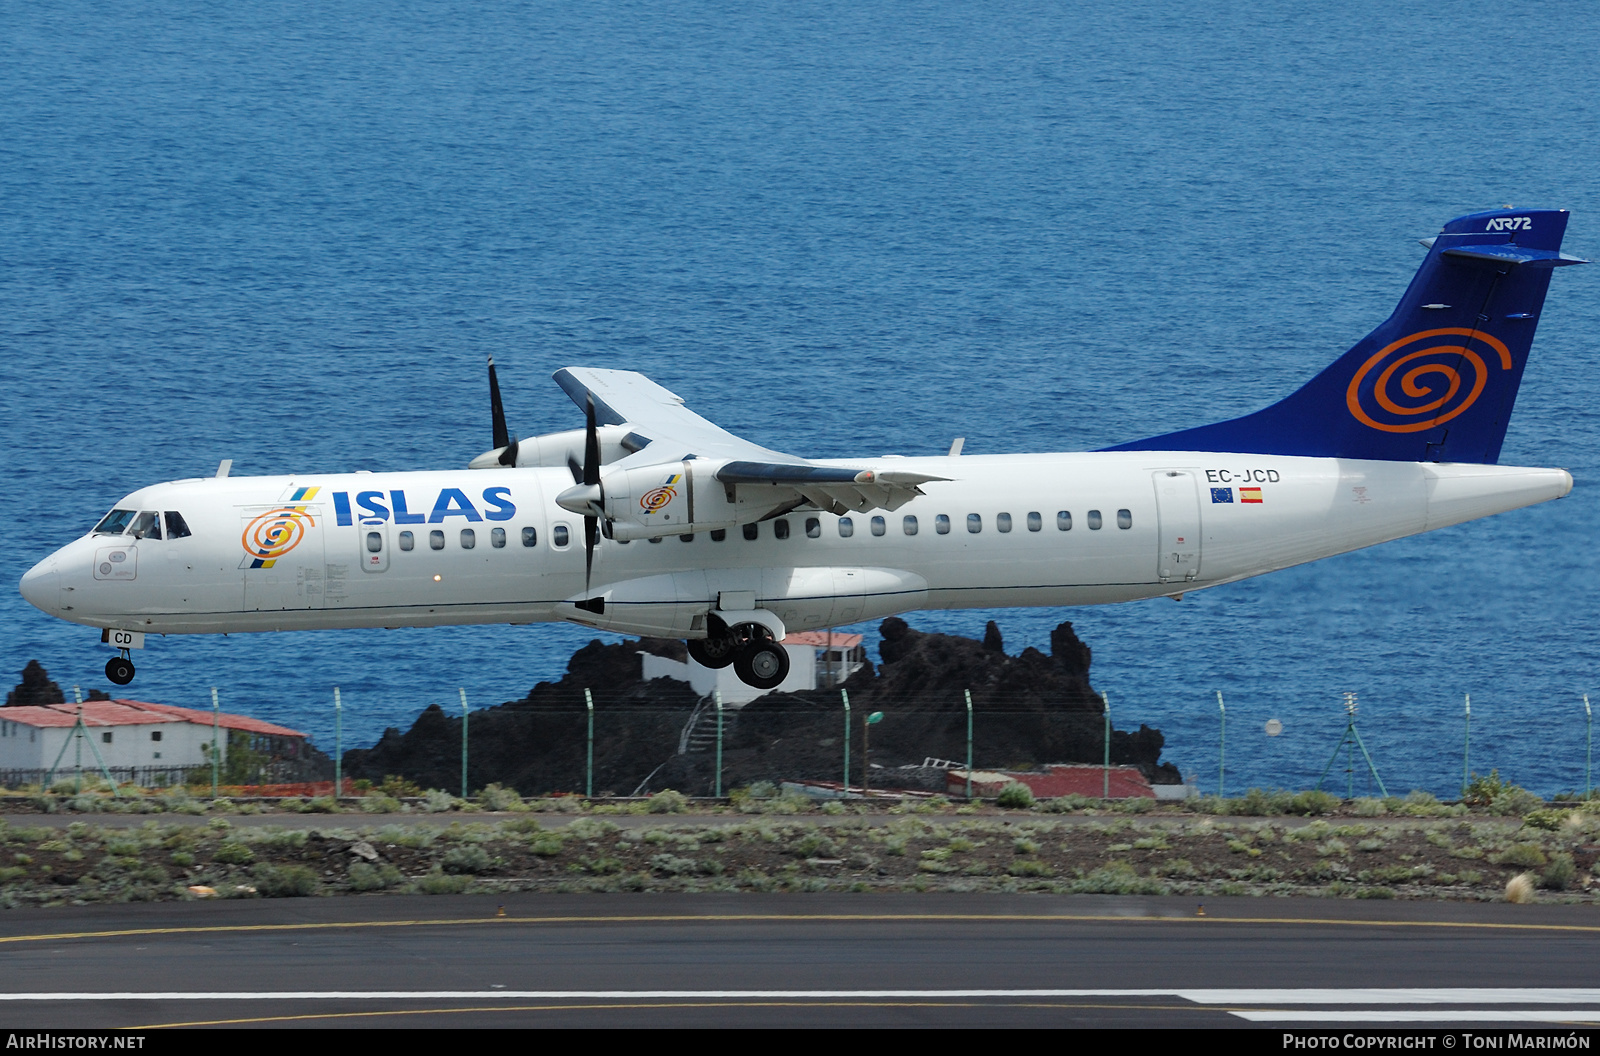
224, 468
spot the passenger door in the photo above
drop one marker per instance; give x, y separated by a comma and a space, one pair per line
1178, 505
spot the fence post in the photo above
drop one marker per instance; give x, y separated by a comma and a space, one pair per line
338, 745
588, 784
845, 693
1588, 747
216, 722
719, 744
1105, 770
1466, 748
1222, 751
969, 745
462, 690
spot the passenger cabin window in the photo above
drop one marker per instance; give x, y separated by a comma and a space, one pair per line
974, 523
561, 536
718, 534
1035, 522
751, 531
497, 538
147, 525
780, 529
436, 539
813, 528
530, 537
374, 542
878, 526
114, 523
469, 538
847, 527
1002, 522
1124, 518
1064, 521
408, 541
941, 524
1094, 520
908, 524
177, 527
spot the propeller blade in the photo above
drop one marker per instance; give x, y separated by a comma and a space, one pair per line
591, 446
591, 476
591, 530
501, 437
576, 470
508, 454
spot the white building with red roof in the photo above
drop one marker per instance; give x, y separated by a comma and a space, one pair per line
128, 734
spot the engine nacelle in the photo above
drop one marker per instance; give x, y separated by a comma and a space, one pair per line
675, 499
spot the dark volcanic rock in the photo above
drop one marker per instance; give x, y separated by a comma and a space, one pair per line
35, 688
538, 744
1027, 709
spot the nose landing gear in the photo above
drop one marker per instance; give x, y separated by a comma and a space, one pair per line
119, 669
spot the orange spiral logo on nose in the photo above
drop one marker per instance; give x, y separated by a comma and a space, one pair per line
1425, 387
274, 534
653, 500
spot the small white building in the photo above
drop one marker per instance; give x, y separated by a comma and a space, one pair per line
130, 735
817, 660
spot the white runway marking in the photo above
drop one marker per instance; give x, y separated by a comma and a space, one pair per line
1231, 998
1437, 1015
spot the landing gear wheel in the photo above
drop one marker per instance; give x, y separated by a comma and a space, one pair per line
714, 652
762, 664
119, 669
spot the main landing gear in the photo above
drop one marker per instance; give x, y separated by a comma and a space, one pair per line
119, 669
760, 662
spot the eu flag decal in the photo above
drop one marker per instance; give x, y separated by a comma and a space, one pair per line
1221, 494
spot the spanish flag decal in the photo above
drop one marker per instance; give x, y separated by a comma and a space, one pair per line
1249, 494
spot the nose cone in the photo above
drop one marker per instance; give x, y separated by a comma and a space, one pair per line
41, 586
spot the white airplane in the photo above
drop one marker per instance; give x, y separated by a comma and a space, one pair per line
653, 521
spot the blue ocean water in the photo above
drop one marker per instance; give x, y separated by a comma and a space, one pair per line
289, 233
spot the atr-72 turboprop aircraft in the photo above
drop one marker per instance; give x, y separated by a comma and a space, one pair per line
652, 520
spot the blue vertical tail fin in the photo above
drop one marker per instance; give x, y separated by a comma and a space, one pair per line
1437, 380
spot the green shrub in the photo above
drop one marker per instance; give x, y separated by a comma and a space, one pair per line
1015, 796
1313, 802
1521, 856
468, 858
284, 881
439, 883
668, 802
762, 790
546, 844
1544, 818
673, 865
1066, 804
322, 805
379, 877
815, 844
437, 801
1117, 878
9, 873
1260, 803
1557, 876
497, 798
1515, 802
1029, 867
233, 852
182, 859
1023, 845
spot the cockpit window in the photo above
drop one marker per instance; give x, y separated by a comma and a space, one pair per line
115, 523
177, 527
146, 526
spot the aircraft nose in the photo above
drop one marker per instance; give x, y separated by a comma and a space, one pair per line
41, 586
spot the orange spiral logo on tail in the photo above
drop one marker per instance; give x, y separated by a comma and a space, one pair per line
274, 534
1425, 387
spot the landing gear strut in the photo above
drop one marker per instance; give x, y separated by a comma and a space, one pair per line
119, 669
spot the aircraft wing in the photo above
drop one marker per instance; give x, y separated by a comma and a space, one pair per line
664, 430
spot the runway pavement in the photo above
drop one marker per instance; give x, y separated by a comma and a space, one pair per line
799, 960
